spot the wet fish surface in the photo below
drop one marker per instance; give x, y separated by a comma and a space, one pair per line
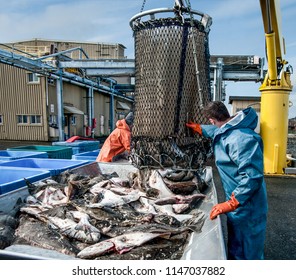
121, 244
34, 232
107, 217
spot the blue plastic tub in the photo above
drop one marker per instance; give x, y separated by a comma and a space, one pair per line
7, 155
52, 151
91, 156
79, 146
12, 178
54, 166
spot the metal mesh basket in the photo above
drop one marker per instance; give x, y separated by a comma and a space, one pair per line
167, 93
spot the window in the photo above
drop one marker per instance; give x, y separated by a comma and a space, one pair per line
22, 119
1, 119
53, 119
33, 78
31, 119
51, 81
35, 119
73, 120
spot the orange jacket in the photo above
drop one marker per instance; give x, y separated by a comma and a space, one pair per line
117, 142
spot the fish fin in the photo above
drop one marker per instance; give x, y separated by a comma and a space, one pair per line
31, 187
165, 235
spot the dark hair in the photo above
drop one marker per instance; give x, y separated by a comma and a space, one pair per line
216, 110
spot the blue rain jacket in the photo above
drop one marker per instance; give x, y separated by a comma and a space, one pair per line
238, 151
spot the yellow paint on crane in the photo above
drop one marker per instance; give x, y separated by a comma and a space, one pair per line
274, 127
271, 54
275, 92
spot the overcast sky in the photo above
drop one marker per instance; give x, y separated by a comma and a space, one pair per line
237, 27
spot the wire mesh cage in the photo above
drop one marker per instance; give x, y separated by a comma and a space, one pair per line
172, 84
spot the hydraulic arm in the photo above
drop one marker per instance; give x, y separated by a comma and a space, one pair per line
275, 92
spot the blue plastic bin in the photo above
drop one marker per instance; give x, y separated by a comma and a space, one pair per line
52, 151
12, 178
6, 155
79, 146
91, 156
54, 166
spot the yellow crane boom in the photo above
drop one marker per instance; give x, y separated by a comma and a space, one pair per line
275, 91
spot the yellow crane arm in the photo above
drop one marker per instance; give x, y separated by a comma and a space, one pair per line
275, 44
275, 91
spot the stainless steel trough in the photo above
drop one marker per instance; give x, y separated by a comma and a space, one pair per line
207, 245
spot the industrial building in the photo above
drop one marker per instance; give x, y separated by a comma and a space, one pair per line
30, 95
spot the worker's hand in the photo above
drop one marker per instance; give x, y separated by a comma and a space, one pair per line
224, 207
195, 127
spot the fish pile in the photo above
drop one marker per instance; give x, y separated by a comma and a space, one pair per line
149, 215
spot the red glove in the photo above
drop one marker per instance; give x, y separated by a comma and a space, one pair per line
224, 207
195, 127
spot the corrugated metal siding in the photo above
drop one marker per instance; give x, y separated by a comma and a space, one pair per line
19, 97
93, 50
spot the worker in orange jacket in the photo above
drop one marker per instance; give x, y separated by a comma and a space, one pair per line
118, 142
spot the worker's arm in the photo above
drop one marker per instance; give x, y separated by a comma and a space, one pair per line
246, 153
125, 138
207, 131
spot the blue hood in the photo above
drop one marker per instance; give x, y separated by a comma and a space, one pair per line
244, 119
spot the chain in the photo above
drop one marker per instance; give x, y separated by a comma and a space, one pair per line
188, 4
143, 5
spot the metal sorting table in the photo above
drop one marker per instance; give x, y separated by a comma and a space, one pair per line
207, 245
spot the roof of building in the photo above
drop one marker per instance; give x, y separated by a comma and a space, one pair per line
66, 41
244, 98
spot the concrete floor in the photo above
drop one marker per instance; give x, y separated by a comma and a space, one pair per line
281, 224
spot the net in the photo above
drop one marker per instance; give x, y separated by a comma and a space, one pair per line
167, 93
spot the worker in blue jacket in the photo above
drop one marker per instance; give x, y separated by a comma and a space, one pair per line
238, 152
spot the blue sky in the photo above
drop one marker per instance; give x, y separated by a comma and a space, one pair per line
237, 27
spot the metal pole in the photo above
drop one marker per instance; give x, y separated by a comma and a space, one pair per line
59, 90
111, 108
89, 107
219, 78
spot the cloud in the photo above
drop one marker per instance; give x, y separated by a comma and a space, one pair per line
67, 20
